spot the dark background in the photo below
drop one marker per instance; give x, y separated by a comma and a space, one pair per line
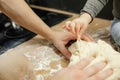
73, 6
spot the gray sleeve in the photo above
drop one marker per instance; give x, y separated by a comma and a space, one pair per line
93, 7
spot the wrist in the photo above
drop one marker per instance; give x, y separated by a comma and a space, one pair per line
52, 36
86, 16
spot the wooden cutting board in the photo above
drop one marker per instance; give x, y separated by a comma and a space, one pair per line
41, 54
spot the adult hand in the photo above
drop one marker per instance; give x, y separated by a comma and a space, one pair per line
80, 72
87, 37
78, 25
60, 40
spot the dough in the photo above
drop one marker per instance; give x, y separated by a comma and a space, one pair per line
101, 50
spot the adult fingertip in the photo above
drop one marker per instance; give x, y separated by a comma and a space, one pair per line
89, 58
67, 54
110, 71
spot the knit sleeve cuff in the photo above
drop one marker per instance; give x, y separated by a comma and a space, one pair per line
83, 11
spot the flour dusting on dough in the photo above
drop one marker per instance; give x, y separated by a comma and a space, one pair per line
101, 50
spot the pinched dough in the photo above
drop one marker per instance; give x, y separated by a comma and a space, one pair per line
101, 50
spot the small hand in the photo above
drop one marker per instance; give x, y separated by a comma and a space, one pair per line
78, 25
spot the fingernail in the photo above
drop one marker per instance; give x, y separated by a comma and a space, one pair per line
102, 64
90, 58
109, 71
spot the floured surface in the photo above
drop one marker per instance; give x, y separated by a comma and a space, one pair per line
46, 59
42, 56
46, 62
101, 50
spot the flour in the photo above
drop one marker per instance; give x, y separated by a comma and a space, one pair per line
101, 51
42, 59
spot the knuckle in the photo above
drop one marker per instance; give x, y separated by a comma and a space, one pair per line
96, 77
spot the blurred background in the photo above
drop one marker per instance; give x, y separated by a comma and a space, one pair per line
73, 6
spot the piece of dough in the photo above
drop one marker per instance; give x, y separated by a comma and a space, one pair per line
101, 50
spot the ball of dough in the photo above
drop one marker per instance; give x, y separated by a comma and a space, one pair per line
101, 50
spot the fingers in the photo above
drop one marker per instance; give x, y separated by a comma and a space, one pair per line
81, 29
76, 28
72, 27
67, 26
87, 37
101, 76
83, 63
94, 68
65, 51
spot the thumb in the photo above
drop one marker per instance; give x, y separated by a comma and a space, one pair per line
65, 52
81, 31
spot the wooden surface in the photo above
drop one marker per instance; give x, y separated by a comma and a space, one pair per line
44, 58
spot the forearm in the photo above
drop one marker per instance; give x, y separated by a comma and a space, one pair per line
93, 7
21, 13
